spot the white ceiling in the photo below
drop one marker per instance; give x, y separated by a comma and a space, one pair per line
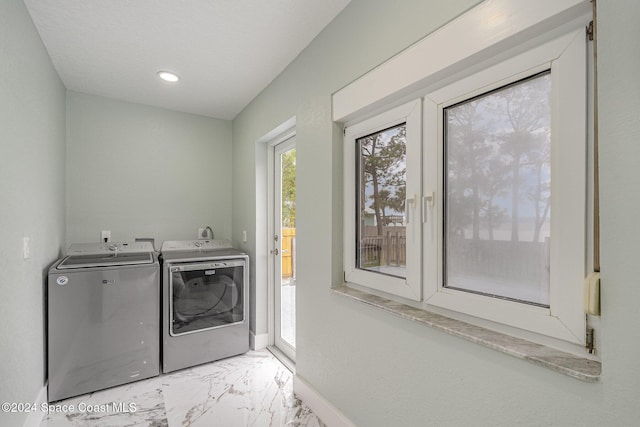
225, 51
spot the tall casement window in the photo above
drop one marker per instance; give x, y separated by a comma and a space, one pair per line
471, 199
383, 158
382, 190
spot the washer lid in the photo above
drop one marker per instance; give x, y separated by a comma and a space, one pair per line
105, 260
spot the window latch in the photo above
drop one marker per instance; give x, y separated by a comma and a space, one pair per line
427, 202
408, 201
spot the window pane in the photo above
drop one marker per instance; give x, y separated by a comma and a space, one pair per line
288, 255
498, 188
382, 178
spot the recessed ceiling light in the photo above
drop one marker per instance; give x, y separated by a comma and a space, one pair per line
168, 77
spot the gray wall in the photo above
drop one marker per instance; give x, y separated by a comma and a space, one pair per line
381, 370
619, 88
142, 171
364, 35
32, 195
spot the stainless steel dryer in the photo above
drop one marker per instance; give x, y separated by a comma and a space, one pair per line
103, 318
205, 302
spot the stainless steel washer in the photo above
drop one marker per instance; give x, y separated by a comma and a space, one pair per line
205, 302
103, 318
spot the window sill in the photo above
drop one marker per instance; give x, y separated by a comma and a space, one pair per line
566, 363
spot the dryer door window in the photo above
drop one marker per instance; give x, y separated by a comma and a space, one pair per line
206, 296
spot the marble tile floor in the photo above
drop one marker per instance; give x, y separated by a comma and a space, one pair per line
253, 389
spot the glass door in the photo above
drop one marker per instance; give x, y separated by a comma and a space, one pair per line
285, 247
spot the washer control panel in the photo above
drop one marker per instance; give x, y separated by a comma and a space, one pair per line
109, 247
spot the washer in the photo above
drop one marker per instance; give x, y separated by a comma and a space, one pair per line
205, 302
103, 318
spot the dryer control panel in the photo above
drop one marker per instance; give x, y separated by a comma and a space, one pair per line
195, 245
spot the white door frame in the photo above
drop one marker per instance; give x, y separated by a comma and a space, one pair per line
287, 138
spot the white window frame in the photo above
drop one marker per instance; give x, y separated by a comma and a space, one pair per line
565, 56
495, 43
411, 287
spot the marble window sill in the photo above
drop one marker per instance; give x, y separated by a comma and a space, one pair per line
566, 363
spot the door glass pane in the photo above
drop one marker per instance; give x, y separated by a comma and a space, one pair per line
498, 192
288, 259
382, 177
205, 299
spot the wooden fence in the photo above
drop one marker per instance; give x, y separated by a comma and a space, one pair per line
388, 249
288, 252
522, 261
526, 262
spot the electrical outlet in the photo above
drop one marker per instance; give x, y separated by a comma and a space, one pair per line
105, 236
244, 236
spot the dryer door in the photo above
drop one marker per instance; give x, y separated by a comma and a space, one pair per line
205, 295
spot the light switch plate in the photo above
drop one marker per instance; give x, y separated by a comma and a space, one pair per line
26, 247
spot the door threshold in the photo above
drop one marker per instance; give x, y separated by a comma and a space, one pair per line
283, 358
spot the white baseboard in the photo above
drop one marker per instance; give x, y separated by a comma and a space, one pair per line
258, 342
35, 417
329, 414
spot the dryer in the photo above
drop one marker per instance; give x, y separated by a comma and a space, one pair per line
205, 302
103, 318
